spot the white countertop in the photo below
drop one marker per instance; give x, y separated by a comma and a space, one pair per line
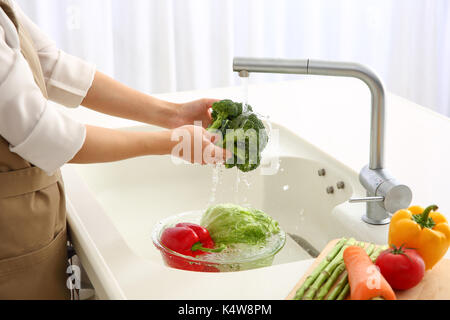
334, 115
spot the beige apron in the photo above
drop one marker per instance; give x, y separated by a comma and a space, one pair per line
33, 254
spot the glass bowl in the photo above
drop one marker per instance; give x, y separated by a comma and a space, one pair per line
234, 258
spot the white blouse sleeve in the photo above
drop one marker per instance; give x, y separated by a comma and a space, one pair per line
67, 78
35, 130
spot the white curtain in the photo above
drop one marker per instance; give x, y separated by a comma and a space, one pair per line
172, 45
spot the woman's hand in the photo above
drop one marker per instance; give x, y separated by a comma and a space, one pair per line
196, 145
195, 111
191, 143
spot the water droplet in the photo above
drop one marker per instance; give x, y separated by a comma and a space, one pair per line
302, 215
216, 180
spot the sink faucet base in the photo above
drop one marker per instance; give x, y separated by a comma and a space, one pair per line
368, 220
375, 214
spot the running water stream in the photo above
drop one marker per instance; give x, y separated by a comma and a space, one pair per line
216, 181
244, 81
242, 183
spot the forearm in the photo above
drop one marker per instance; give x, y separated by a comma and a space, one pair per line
111, 97
108, 145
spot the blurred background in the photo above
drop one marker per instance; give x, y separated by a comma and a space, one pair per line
159, 46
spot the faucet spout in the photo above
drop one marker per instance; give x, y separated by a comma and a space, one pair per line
331, 68
378, 182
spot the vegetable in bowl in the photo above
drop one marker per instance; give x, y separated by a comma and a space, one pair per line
231, 224
186, 245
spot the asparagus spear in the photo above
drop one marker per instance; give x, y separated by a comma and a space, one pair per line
344, 285
377, 252
327, 285
332, 279
344, 292
336, 273
312, 277
370, 249
327, 271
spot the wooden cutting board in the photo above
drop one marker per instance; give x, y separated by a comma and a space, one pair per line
434, 286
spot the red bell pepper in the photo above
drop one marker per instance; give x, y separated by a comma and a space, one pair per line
189, 239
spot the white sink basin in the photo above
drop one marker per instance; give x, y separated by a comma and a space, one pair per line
114, 207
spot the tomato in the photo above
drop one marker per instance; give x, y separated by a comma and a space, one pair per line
402, 267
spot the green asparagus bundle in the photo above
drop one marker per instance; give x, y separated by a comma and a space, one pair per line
313, 276
327, 271
318, 284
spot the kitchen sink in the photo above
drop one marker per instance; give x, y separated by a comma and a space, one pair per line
114, 208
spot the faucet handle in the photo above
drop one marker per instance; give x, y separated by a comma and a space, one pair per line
366, 199
377, 214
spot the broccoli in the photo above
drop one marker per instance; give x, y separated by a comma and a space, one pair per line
223, 112
246, 131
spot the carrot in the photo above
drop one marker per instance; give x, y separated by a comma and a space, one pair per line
366, 281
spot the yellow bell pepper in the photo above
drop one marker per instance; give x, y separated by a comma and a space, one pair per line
427, 231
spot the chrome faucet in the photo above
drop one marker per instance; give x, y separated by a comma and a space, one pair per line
384, 194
